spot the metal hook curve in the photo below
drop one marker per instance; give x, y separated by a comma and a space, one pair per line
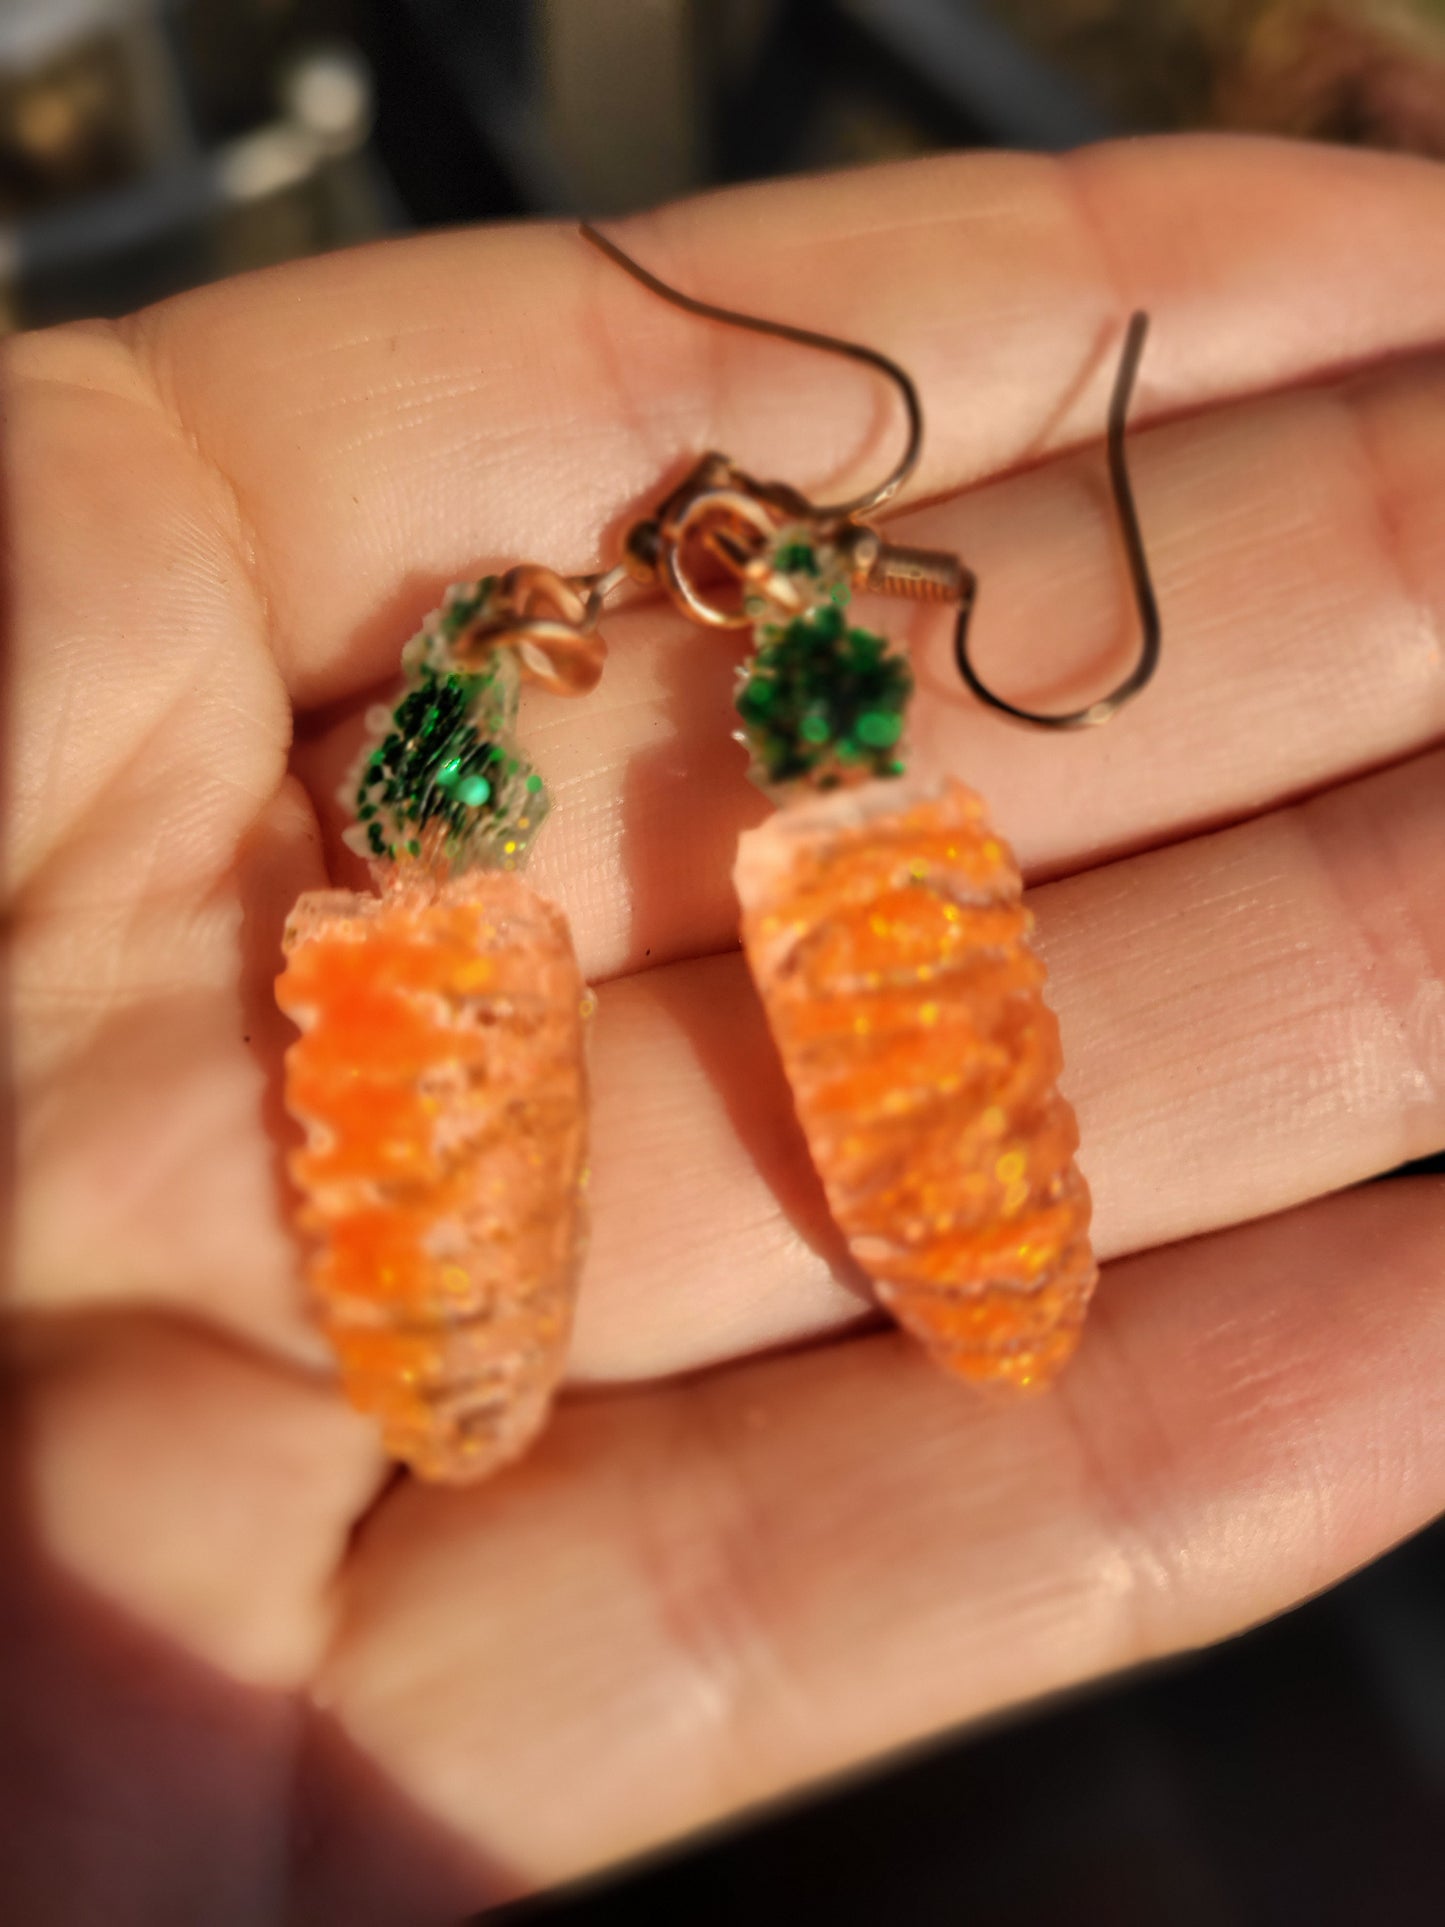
804, 338
1145, 600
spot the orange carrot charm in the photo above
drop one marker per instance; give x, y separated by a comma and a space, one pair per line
884, 924
440, 1072
890, 947
440, 1076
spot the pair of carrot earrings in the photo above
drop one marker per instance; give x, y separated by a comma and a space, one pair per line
440, 1074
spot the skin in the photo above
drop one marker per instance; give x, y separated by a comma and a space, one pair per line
247, 1677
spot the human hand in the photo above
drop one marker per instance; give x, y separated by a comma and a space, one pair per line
243, 1667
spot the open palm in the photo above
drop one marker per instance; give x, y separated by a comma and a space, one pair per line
246, 1676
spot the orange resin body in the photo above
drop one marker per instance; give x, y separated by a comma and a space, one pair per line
440, 1077
888, 939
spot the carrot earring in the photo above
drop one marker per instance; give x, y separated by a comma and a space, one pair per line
440, 1071
883, 919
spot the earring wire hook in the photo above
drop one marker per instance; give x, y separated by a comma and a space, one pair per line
1141, 583
804, 338
1145, 601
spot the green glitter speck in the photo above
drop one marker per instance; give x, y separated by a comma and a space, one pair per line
878, 729
795, 558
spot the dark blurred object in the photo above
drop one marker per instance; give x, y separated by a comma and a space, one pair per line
555, 106
146, 145
551, 106
1333, 73
1294, 1778
975, 61
1367, 71
76, 113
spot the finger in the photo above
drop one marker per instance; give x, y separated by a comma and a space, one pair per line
148, 721
726, 1589
1249, 1019
1296, 548
148, 1072
201, 1491
390, 419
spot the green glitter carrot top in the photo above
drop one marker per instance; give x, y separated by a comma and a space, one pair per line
821, 700
440, 777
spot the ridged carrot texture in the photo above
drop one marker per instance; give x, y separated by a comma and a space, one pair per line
886, 933
440, 1078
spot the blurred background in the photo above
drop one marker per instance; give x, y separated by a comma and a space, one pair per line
1298, 1774
149, 144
